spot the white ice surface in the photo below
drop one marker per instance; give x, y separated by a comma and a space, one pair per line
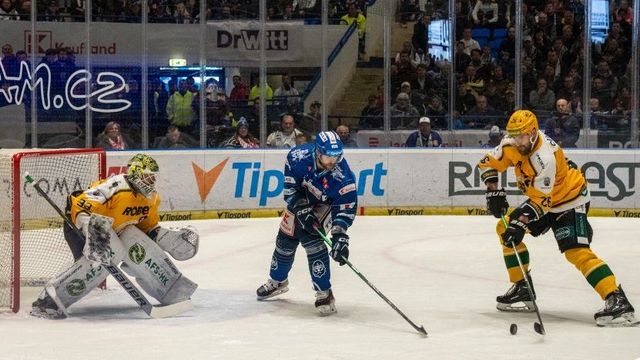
442, 271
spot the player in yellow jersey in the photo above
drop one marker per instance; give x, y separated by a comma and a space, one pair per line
118, 218
558, 199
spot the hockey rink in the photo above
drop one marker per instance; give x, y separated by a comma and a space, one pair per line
443, 272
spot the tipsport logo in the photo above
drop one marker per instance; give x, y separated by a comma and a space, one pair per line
267, 184
252, 180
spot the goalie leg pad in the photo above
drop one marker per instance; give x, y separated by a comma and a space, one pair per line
75, 283
182, 244
152, 268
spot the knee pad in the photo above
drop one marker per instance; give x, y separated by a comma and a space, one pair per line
286, 245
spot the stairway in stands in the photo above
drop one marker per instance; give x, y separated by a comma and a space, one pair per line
368, 75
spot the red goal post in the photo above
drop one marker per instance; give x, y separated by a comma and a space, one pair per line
32, 244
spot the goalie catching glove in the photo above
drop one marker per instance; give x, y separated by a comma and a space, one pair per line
340, 245
181, 243
97, 231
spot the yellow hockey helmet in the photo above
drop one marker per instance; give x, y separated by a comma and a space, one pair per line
522, 122
142, 174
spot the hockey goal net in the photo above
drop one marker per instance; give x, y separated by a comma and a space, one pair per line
32, 244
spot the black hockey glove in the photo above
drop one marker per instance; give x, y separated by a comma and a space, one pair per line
306, 217
340, 246
514, 233
497, 202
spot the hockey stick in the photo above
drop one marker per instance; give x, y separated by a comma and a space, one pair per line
420, 329
158, 312
537, 326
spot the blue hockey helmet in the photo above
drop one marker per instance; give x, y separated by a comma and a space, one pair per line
328, 143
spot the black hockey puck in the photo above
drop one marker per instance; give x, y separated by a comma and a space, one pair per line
513, 329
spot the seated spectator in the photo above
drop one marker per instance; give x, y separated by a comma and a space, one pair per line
111, 138
437, 113
175, 139
482, 116
421, 84
495, 137
563, 126
542, 99
254, 117
462, 59
311, 120
181, 14
286, 137
468, 41
242, 139
220, 122
620, 116
408, 48
601, 93
345, 136
416, 98
371, 115
7, 11
402, 112
301, 139
464, 100
286, 94
485, 13
473, 82
424, 137
596, 116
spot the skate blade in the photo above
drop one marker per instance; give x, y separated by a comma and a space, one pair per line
526, 307
624, 320
275, 293
326, 310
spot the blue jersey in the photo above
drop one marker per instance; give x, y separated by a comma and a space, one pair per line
336, 188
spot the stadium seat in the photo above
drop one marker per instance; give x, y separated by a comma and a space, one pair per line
480, 33
482, 41
500, 33
495, 44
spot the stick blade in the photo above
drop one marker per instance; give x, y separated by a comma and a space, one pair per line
422, 331
539, 328
159, 312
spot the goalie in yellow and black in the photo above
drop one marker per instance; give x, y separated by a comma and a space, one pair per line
558, 199
118, 220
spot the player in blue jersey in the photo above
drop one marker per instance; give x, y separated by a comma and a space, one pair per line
320, 190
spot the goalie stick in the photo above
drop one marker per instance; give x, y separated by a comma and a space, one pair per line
154, 311
419, 329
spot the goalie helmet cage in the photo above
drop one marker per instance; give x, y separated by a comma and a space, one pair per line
32, 244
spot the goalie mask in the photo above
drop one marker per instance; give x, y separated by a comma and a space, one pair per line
143, 170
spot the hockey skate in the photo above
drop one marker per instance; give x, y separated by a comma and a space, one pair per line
517, 298
44, 307
325, 302
617, 311
272, 288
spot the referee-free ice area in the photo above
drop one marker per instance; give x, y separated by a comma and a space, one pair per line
443, 272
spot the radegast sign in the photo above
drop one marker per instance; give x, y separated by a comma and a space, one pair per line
611, 182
